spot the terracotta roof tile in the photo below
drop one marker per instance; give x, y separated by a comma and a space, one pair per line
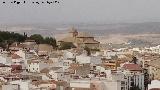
15, 56
132, 67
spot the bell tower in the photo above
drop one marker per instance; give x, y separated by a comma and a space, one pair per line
73, 32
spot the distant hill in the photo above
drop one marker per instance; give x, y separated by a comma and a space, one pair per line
147, 32
96, 29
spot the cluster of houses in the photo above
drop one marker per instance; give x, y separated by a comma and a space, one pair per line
31, 66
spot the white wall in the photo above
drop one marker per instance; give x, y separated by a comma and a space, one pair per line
10, 87
107, 84
68, 54
21, 54
5, 70
24, 85
34, 67
5, 60
82, 59
80, 83
154, 84
58, 74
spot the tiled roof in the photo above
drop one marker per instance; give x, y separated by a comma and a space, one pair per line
45, 70
84, 34
56, 54
16, 66
48, 61
55, 68
42, 82
3, 65
132, 67
67, 39
91, 42
49, 82
15, 56
44, 47
33, 61
74, 66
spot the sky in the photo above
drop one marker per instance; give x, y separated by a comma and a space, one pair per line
81, 11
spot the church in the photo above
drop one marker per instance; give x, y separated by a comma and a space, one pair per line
80, 39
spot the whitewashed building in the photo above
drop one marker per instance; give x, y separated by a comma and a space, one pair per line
36, 65
154, 84
84, 59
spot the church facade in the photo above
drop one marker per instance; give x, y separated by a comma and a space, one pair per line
80, 39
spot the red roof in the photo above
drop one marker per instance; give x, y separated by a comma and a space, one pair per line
155, 89
3, 65
17, 71
15, 56
132, 67
16, 67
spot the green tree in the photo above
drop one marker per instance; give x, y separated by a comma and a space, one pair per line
95, 49
7, 38
17, 37
88, 50
66, 45
134, 60
5, 35
51, 41
38, 38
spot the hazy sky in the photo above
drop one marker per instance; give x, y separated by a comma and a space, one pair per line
91, 11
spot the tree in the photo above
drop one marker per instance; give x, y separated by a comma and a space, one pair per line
18, 37
41, 40
7, 38
51, 41
66, 45
147, 78
38, 38
88, 50
95, 49
5, 35
134, 60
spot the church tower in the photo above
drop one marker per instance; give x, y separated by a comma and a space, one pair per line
73, 32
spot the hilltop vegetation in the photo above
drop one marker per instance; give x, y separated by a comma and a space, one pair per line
7, 38
5, 35
43, 40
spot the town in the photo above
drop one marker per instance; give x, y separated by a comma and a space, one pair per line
75, 62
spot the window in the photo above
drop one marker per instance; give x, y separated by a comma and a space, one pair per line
122, 88
122, 82
65, 64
